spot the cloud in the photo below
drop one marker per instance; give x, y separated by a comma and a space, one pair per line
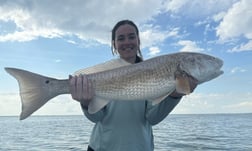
189, 46
72, 42
93, 20
197, 103
246, 104
57, 60
243, 106
233, 18
26, 27
84, 19
152, 35
242, 47
214, 103
236, 22
153, 51
10, 104
187, 7
218, 17
60, 105
237, 70
32, 34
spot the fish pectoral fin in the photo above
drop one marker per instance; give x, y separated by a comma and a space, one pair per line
160, 99
183, 85
97, 104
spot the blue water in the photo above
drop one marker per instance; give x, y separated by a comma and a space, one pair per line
218, 132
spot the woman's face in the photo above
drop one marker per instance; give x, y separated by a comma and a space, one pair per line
127, 42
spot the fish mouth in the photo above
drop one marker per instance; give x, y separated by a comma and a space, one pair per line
219, 62
216, 62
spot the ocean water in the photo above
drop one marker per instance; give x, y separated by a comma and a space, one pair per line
211, 132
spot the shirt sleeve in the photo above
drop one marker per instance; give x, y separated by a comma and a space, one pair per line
96, 117
156, 113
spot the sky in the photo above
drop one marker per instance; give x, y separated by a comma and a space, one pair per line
56, 38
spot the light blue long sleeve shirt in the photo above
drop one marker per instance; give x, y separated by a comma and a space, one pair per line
127, 125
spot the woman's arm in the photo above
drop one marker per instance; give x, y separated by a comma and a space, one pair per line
156, 113
96, 117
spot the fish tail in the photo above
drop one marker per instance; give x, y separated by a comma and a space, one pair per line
35, 90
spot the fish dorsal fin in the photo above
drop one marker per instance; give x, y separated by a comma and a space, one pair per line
96, 104
112, 64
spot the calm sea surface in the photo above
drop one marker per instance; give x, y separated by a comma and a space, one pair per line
218, 132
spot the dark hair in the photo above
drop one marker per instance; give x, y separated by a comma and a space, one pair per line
118, 24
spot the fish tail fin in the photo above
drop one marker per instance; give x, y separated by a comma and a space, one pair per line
35, 90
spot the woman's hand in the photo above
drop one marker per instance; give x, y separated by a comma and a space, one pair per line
81, 89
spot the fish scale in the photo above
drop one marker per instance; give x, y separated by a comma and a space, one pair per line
143, 80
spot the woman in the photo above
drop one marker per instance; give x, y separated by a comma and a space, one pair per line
123, 125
